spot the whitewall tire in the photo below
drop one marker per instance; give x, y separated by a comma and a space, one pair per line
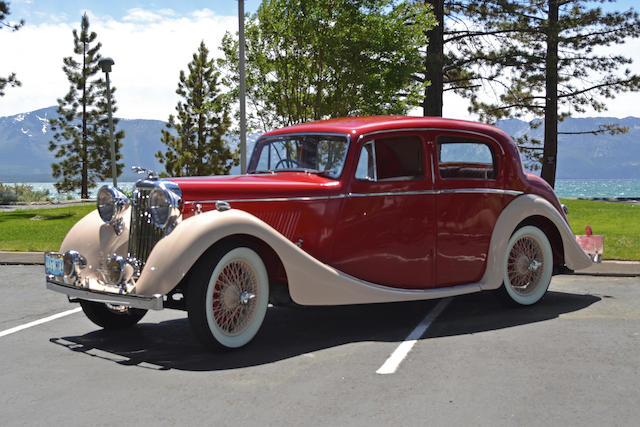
528, 266
228, 297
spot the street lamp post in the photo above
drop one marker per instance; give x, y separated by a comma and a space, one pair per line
105, 64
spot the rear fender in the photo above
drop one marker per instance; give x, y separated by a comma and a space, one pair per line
521, 208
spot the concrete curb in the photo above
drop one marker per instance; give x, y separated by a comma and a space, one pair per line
606, 268
21, 258
612, 269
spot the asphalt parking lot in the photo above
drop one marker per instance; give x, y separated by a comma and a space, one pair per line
573, 359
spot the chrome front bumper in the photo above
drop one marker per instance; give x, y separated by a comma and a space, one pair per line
153, 302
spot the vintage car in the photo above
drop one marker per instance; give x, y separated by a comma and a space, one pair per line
342, 211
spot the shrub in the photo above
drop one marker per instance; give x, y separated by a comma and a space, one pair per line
22, 193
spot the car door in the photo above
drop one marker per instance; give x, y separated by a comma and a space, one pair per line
469, 183
385, 232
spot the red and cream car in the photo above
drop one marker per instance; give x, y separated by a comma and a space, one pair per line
343, 211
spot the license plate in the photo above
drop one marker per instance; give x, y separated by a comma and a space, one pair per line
54, 264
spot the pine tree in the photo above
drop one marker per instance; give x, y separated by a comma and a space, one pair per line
197, 147
456, 53
11, 79
554, 66
81, 138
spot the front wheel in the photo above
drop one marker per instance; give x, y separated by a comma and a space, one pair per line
110, 316
228, 296
528, 266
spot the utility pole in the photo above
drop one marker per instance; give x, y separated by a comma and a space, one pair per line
243, 109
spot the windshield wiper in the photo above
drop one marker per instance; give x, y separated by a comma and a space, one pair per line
307, 170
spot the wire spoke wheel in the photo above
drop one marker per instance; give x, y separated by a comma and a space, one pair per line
524, 265
228, 296
234, 297
528, 265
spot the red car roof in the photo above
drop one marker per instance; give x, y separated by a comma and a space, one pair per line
360, 125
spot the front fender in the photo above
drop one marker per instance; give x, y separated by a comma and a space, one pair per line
96, 240
174, 255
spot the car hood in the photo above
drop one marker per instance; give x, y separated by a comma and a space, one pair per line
233, 187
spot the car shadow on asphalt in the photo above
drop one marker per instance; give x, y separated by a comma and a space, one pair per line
290, 332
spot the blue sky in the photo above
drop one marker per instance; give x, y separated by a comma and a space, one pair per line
151, 41
39, 11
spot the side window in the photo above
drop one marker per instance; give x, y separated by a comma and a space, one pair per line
366, 170
391, 159
461, 158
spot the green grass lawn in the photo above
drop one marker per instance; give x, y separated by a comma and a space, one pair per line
618, 222
38, 229
44, 229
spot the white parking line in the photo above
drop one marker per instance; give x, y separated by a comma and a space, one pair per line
39, 322
392, 363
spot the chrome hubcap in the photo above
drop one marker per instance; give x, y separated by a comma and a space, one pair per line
245, 297
523, 265
234, 297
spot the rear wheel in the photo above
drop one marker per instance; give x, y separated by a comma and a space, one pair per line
228, 296
528, 266
110, 316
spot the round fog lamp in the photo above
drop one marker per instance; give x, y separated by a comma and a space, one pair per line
73, 262
115, 270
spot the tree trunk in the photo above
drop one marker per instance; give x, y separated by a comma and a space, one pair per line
550, 154
433, 63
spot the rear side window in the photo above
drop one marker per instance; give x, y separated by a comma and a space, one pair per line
461, 158
391, 159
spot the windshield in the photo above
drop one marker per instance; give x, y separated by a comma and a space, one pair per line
321, 154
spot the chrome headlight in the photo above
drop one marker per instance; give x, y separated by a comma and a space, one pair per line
166, 205
111, 204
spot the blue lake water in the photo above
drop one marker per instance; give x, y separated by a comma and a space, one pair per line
564, 188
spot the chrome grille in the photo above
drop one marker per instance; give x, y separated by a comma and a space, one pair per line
143, 234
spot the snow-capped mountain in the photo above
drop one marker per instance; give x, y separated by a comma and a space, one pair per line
25, 157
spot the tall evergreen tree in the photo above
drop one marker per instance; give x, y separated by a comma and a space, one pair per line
557, 65
316, 59
459, 48
81, 130
10, 80
197, 147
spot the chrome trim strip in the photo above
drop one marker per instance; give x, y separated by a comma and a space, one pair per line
272, 199
481, 190
342, 196
154, 302
435, 192
390, 193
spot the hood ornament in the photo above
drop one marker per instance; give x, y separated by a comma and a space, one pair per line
152, 175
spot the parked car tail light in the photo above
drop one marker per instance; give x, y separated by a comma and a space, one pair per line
111, 204
165, 207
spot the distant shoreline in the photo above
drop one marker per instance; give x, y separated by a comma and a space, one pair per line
591, 189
